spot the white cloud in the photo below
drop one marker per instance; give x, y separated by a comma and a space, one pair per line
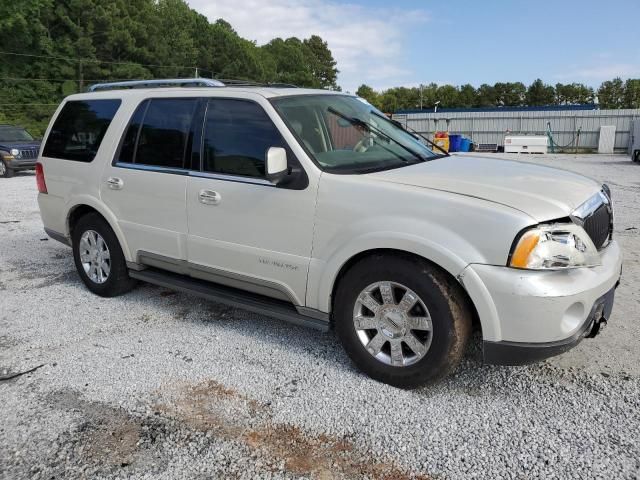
367, 42
601, 72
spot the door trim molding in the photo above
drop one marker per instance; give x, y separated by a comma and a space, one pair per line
215, 275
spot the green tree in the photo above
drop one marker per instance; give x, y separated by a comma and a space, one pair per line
573, 94
369, 94
632, 93
79, 42
485, 96
448, 96
509, 94
540, 94
321, 62
611, 94
466, 96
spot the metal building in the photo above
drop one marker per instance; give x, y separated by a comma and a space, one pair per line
490, 125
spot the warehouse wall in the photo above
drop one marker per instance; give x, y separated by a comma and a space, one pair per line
491, 127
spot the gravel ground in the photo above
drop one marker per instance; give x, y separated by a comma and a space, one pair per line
156, 384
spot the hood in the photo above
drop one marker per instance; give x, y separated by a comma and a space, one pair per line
543, 193
33, 144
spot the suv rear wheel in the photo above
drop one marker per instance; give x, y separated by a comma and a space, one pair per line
403, 322
99, 258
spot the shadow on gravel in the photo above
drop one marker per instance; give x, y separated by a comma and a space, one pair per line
322, 347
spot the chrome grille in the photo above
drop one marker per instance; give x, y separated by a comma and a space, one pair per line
598, 226
596, 217
28, 154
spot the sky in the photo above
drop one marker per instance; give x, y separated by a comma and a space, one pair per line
410, 42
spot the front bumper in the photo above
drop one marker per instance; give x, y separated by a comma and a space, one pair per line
521, 353
17, 163
529, 315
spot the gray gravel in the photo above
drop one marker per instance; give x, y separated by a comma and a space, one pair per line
156, 384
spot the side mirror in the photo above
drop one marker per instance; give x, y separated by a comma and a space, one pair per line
276, 167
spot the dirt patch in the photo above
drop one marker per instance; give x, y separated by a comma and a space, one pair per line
211, 407
113, 441
104, 440
321, 457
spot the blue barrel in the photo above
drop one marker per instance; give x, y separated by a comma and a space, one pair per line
454, 143
465, 145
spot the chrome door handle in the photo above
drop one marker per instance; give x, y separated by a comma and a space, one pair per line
115, 183
209, 197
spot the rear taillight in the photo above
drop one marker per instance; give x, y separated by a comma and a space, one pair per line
42, 186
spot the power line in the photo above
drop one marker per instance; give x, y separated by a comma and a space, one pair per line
92, 60
18, 79
28, 104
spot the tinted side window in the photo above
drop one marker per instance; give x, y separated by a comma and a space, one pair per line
165, 134
78, 131
128, 145
237, 135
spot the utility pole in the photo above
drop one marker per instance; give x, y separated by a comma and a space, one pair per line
420, 96
80, 77
196, 72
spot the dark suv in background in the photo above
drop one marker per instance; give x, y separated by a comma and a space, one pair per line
18, 150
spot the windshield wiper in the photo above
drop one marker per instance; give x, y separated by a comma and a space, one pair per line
407, 128
361, 123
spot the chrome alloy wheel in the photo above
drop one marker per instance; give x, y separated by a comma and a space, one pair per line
95, 256
393, 323
3, 168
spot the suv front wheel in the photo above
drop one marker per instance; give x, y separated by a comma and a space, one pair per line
5, 171
99, 258
401, 320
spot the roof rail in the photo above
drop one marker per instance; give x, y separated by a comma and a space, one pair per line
174, 82
241, 82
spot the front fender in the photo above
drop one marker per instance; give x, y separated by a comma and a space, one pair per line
323, 274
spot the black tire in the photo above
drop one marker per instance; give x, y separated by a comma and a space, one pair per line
636, 156
8, 172
447, 305
118, 280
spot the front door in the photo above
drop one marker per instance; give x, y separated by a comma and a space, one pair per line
243, 230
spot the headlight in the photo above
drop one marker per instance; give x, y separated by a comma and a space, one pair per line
15, 152
554, 247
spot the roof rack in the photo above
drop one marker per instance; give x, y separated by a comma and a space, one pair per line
241, 82
185, 82
173, 82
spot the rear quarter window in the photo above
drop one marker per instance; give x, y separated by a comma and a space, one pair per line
79, 129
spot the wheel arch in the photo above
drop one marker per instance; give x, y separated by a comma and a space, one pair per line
391, 252
87, 205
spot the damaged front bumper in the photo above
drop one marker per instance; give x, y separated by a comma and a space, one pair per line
522, 353
529, 315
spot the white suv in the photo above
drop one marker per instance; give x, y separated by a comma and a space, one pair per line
313, 207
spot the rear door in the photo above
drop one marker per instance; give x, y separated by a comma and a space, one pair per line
243, 230
146, 183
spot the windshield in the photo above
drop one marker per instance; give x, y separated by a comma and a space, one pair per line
345, 134
14, 134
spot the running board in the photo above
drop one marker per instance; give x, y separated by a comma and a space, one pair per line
230, 296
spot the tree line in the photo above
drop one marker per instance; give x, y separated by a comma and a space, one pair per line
53, 48
611, 94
